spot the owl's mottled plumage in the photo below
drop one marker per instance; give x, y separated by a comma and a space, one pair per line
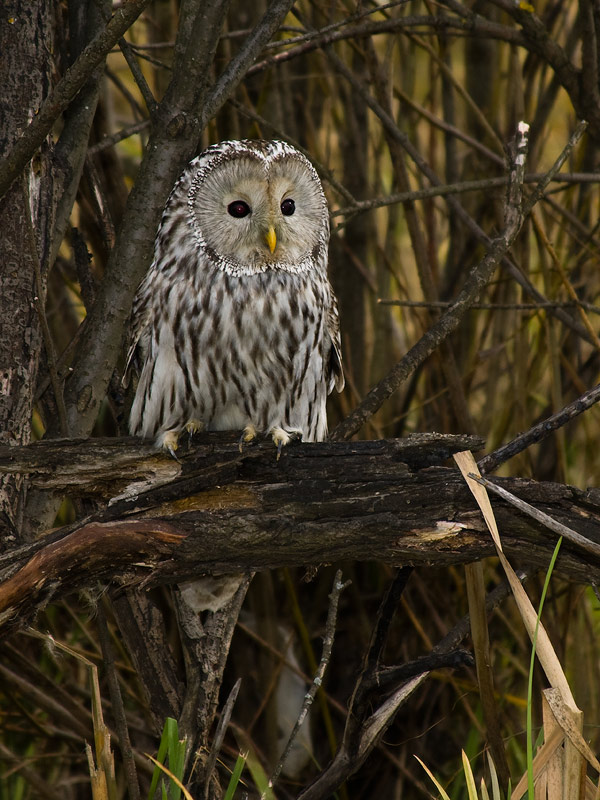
235, 326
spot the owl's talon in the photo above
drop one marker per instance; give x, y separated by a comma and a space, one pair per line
248, 435
193, 426
172, 453
170, 442
282, 437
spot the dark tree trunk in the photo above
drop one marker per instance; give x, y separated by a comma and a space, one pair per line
27, 37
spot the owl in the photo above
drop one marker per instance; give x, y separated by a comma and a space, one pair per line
235, 326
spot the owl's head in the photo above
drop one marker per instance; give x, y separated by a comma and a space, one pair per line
258, 205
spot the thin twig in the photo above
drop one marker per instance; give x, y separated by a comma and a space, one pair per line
138, 76
563, 530
118, 708
115, 138
491, 306
539, 229
445, 126
140, 52
457, 188
346, 761
337, 589
220, 734
385, 677
539, 431
39, 301
137, 109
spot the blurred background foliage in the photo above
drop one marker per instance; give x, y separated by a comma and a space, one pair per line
456, 92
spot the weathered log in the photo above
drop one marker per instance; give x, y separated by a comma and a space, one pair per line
220, 510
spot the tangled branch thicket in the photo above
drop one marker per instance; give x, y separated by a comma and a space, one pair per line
408, 111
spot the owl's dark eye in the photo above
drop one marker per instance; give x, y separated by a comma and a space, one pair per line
288, 207
238, 208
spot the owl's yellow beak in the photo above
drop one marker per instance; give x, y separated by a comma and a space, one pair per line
271, 239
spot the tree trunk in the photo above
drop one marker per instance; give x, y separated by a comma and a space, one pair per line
27, 36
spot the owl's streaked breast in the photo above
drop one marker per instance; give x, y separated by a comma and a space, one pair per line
231, 340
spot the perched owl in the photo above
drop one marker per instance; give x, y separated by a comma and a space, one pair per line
235, 326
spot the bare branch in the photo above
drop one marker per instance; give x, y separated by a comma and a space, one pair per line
220, 735
436, 25
72, 81
458, 188
146, 92
317, 682
478, 278
492, 306
539, 431
240, 65
562, 530
115, 138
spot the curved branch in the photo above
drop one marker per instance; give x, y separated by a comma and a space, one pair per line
317, 40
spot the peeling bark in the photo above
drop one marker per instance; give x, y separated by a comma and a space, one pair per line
219, 511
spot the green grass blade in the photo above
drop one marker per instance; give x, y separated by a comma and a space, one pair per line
164, 747
259, 776
235, 776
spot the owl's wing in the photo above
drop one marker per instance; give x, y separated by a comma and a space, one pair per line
139, 333
335, 372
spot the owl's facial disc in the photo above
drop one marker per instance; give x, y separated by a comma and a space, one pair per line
259, 215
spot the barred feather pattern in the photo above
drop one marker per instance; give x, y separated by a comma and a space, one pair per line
226, 333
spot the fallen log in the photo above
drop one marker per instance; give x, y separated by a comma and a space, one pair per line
218, 510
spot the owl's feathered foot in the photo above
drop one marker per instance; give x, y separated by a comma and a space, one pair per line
193, 426
248, 435
169, 441
282, 437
